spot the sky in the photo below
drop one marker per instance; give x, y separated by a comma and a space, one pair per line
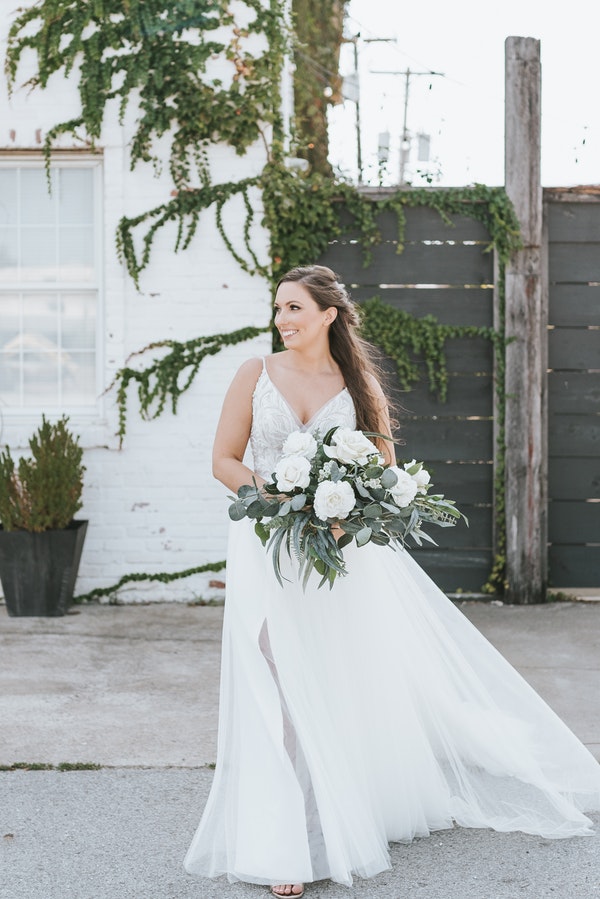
462, 109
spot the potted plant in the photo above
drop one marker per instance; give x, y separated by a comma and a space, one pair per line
40, 540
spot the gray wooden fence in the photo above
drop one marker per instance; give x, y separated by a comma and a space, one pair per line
573, 229
445, 272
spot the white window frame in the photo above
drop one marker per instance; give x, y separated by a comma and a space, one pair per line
17, 424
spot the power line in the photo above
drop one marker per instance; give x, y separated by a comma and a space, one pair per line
405, 140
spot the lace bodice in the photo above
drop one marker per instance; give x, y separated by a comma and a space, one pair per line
273, 420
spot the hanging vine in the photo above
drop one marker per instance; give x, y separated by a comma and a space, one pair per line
169, 376
160, 56
401, 336
186, 208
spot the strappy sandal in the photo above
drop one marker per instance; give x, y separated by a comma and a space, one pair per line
287, 895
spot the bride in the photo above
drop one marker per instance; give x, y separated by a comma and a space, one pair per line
374, 712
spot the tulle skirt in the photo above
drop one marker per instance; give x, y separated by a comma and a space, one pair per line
369, 714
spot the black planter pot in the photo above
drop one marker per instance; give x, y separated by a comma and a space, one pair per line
38, 571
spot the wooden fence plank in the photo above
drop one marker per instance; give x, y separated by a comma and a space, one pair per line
466, 483
470, 354
574, 478
451, 306
465, 570
572, 522
574, 566
574, 222
418, 264
442, 440
467, 395
422, 223
576, 263
574, 349
571, 434
573, 392
478, 534
574, 304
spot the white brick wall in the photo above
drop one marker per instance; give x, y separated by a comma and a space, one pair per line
152, 506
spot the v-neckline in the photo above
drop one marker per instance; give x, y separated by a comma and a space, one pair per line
308, 423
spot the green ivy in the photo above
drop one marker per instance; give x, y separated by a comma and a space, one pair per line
158, 55
169, 376
401, 336
162, 577
185, 209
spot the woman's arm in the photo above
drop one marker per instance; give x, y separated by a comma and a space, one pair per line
233, 430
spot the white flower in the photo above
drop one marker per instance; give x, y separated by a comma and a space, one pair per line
334, 500
291, 472
350, 446
421, 477
405, 489
300, 443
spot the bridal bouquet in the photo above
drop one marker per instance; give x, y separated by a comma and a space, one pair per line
339, 480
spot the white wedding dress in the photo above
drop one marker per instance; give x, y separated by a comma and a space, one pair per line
371, 713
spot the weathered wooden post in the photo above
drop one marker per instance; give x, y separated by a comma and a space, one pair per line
526, 329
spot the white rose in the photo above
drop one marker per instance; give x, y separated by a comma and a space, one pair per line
350, 446
421, 477
334, 499
300, 443
291, 472
405, 489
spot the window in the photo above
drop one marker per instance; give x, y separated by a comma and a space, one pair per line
49, 286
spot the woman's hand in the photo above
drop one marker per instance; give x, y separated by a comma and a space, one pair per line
337, 531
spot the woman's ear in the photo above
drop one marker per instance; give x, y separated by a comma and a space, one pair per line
330, 315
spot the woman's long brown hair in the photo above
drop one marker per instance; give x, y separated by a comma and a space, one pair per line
353, 355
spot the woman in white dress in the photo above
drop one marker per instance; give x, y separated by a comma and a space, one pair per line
374, 712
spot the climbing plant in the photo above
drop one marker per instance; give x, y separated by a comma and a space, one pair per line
167, 377
161, 577
191, 69
403, 337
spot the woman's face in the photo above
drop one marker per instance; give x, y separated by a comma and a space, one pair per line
299, 320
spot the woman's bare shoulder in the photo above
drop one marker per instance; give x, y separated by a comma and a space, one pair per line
375, 385
252, 366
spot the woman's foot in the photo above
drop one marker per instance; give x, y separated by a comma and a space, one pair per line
288, 889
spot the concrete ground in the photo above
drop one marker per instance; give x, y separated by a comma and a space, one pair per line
135, 690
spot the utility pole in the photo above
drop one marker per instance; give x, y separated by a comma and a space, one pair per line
352, 92
355, 94
405, 138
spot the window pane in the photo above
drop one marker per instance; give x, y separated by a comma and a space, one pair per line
76, 196
37, 205
10, 321
40, 378
48, 327
38, 254
40, 321
78, 317
10, 376
9, 254
78, 379
8, 196
76, 253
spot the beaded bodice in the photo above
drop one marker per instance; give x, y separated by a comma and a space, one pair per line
273, 420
